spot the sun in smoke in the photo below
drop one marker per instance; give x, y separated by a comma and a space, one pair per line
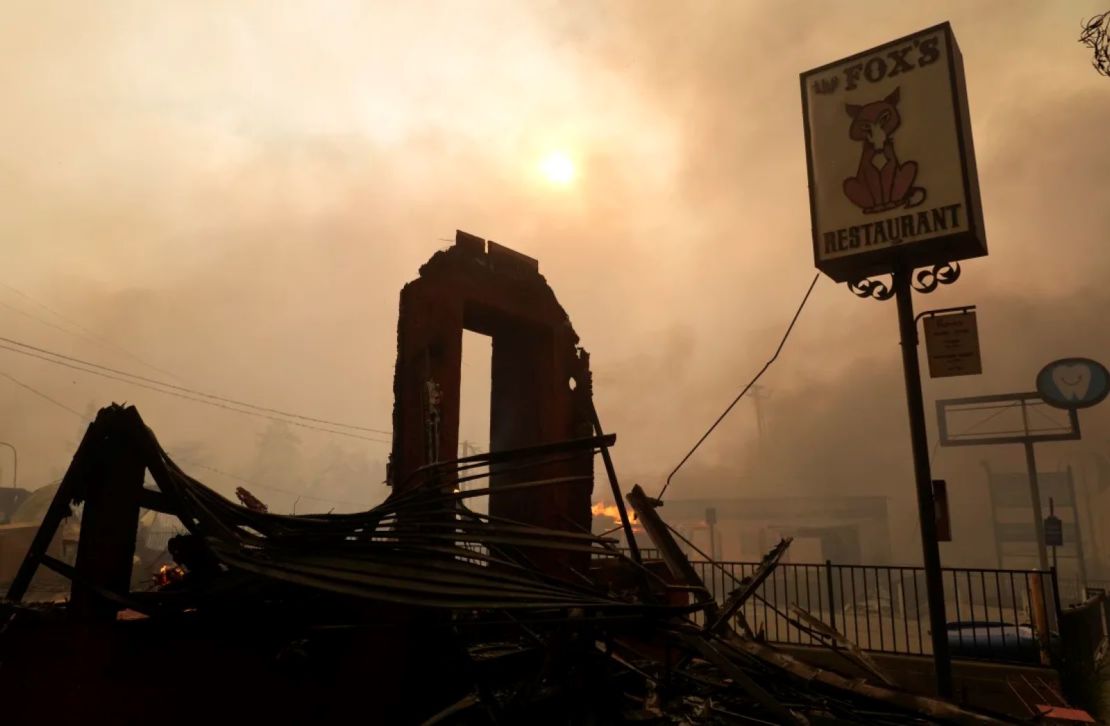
558, 168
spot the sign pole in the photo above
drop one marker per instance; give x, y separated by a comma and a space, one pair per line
1052, 513
1034, 492
911, 214
926, 508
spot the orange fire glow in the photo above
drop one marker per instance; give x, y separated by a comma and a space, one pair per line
168, 574
603, 509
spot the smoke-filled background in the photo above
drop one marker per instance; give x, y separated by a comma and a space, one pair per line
230, 197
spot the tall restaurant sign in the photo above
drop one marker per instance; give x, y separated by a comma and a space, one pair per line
891, 164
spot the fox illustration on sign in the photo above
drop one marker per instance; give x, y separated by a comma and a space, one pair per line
881, 182
894, 120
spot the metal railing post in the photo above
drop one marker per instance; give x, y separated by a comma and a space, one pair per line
832, 597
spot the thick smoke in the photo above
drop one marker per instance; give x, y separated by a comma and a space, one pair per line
237, 196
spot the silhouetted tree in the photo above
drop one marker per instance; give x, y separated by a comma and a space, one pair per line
344, 479
277, 467
1096, 36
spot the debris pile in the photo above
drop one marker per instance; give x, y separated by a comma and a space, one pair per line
420, 610
611, 644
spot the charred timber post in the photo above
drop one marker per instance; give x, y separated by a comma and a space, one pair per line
113, 492
611, 471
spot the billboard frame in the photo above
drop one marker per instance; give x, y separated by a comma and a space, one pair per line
946, 439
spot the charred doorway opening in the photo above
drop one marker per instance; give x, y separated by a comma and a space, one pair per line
520, 369
539, 381
475, 405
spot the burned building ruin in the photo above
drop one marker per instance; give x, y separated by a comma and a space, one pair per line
540, 389
420, 609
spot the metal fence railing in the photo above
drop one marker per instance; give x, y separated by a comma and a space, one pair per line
1009, 615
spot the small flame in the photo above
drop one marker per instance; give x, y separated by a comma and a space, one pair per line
602, 509
168, 574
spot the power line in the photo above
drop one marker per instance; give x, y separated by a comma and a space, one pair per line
40, 394
82, 416
86, 334
192, 391
36, 318
196, 400
789, 328
208, 399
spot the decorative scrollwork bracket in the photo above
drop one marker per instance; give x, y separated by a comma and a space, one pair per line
927, 279
874, 287
924, 280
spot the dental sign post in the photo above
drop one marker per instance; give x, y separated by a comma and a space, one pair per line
891, 164
1073, 383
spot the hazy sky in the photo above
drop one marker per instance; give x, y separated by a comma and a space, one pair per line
236, 194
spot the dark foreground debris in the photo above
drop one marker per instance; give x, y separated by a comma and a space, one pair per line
437, 610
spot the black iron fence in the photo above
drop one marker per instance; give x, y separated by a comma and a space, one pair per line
1009, 615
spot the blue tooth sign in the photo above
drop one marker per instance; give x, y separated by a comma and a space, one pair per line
1072, 383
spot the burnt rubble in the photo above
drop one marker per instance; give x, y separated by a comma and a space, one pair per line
522, 645
421, 609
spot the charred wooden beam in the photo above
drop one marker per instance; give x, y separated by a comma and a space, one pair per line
58, 510
72, 487
109, 523
526, 452
122, 600
611, 471
741, 595
742, 680
847, 648
156, 502
673, 557
908, 702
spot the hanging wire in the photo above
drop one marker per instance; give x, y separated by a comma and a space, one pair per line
789, 328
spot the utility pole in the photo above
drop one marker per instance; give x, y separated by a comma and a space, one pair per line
758, 394
711, 520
